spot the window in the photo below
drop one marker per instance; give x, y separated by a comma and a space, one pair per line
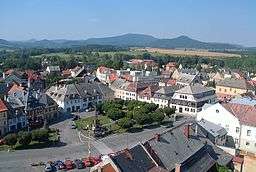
247, 143
236, 141
237, 129
193, 110
227, 127
219, 89
225, 90
249, 132
186, 109
217, 111
186, 97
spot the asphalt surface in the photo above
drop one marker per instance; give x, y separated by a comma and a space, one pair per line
74, 145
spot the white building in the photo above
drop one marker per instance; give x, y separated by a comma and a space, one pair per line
78, 97
105, 75
239, 120
190, 99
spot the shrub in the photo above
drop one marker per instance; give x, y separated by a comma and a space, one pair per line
125, 123
115, 114
157, 116
10, 139
24, 137
40, 135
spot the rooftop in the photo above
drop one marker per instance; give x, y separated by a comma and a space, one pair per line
194, 89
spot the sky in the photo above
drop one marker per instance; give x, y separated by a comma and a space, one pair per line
231, 21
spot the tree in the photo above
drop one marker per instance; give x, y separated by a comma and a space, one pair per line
150, 107
125, 123
157, 116
10, 139
40, 135
115, 114
168, 111
24, 137
142, 118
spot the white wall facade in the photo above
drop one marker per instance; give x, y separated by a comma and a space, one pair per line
219, 115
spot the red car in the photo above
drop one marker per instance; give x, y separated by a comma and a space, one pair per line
69, 164
2, 141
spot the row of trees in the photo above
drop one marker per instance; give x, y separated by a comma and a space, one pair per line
25, 137
128, 113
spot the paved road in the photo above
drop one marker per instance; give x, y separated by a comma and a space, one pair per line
20, 160
73, 147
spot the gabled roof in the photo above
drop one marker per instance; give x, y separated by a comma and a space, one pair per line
193, 153
164, 93
135, 159
246, 114
213, 129
194, 89
2, 106
235, 83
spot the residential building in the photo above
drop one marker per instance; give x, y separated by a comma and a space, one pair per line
239, 120
163, 96
106, 75
190, 99
139, 64
232, 87
146, 94
3, 118
81, 96
53, 69
179, 149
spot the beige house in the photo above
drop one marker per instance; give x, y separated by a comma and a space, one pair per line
233, 87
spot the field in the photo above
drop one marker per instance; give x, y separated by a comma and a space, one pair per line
177, 52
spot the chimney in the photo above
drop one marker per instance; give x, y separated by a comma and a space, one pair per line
157, 137
177, 167
186, 130
29, 83
4, 75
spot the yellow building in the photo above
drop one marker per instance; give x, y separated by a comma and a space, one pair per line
233, 87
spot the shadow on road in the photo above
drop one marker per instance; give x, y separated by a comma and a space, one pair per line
41, 145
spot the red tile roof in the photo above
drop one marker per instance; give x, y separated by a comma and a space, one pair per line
149, 91
2, 106
16, 88
246, 114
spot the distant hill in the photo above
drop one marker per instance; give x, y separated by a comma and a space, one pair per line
130, 40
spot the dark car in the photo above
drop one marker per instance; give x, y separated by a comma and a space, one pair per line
76, 117
79, 164
59, 165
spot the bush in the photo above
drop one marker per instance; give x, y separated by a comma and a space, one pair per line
24, 137
125, 123
115, 114
169, 111
10, 139
40, 135
142, 118
157, 116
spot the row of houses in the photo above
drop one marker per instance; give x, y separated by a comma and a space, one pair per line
24, 107
188, 99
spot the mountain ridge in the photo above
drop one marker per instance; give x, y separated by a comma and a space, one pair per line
128, 40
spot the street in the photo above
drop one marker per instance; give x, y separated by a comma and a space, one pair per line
73, 145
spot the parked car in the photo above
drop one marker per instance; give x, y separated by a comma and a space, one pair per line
69, 164
48, 167
2, 141
76, 117
59, 165
79, 164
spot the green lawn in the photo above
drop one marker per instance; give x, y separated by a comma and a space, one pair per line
84, 122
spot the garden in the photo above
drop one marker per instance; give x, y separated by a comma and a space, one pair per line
119, 116
35, 139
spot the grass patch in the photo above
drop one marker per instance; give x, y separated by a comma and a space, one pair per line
83, 123
4, 147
